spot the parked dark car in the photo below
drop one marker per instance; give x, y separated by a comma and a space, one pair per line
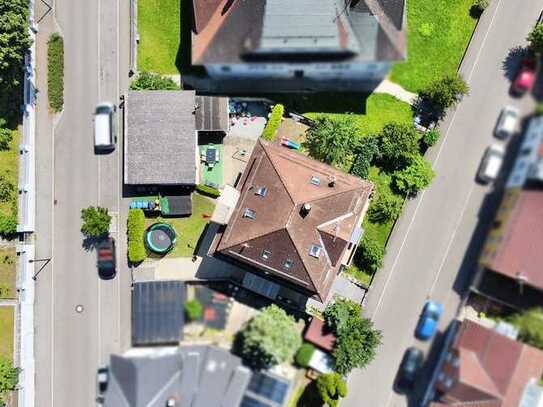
106, 258
102, 378
407, 373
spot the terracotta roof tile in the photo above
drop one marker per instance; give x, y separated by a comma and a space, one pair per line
319, 335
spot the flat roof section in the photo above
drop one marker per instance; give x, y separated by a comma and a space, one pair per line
157, 312
160, 138
212, 113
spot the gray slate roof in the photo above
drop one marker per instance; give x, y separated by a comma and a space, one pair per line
196, 376
160, 138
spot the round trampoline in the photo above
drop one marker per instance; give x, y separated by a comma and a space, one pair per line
160, 238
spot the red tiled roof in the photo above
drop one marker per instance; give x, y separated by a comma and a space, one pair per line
492, 369
520, 249
282, 229
319, 335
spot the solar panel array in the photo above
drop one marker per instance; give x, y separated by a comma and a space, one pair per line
265, 390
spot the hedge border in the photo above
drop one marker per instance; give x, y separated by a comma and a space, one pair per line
55, 71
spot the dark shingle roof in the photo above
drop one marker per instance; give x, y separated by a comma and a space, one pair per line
160, 138
211, 113
279, 226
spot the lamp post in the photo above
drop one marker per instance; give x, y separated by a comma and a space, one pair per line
45, 262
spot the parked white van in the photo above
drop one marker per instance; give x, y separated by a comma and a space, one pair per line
491, 164
104, 127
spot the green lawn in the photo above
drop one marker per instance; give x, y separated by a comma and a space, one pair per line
6, 332
9, 164
189, 228
159, 31
438, 34
8, 258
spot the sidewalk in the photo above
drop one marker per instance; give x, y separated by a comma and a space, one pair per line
397, 91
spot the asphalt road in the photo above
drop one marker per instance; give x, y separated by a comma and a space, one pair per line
433, 250
71, 345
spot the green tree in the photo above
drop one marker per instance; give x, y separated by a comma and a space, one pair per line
14, 41
530, 326
331, 387
194, 310
8, 223
445, 92
6, 136
6, 189
370, 255
332, 141
273, 122
535, 38
431, 137
153, 81
397, 144
418, 175
357, 346
8, 377
479, 6
366, 151
338, 314
96, 221
385, 207
304, 354
269, 338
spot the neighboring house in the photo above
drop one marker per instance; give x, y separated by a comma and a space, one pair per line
290, 46
510, 264
189, 376
296, 224
483, 367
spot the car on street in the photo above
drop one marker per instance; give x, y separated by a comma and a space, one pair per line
525, 78
106, 258
409, 368
491, 163
427, 326
102, 378
104, 127
507, 122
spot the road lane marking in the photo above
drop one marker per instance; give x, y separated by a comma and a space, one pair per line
53, 264
99, 160
445, 137
117, 247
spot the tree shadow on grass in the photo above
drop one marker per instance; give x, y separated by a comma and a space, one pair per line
511, 62
310, 397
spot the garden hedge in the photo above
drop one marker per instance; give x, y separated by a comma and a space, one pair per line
55, 70
304, 354
206, 190
273, 122
136, 229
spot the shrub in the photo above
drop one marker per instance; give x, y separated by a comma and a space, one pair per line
530, 326
332, 140
370, 255
136, 229
397, 144
444, 92
6, 136
539, 109
273, 122
385, 207
331, 387
153, 81
96, 221
365, 154
431, 137
207, 190
415, 177
535, 38
9, 376
269, 338
338, 314
6, 189
426, 29
194, 310
8, 223
304, 354
55, 71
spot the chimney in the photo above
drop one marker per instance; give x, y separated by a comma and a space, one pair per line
305, 209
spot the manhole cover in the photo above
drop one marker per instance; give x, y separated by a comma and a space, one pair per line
79, 308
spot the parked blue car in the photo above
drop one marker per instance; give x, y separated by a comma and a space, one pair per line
427, 326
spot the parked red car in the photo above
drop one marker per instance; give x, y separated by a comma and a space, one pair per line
525, 79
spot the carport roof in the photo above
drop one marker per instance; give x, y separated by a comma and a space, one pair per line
157, 312
160, 138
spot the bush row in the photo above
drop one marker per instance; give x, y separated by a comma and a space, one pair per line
273, 122
136, 229
207, 190
55, 70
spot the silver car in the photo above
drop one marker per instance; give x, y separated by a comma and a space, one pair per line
507, 123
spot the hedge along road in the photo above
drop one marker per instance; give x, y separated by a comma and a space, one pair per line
426, 253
